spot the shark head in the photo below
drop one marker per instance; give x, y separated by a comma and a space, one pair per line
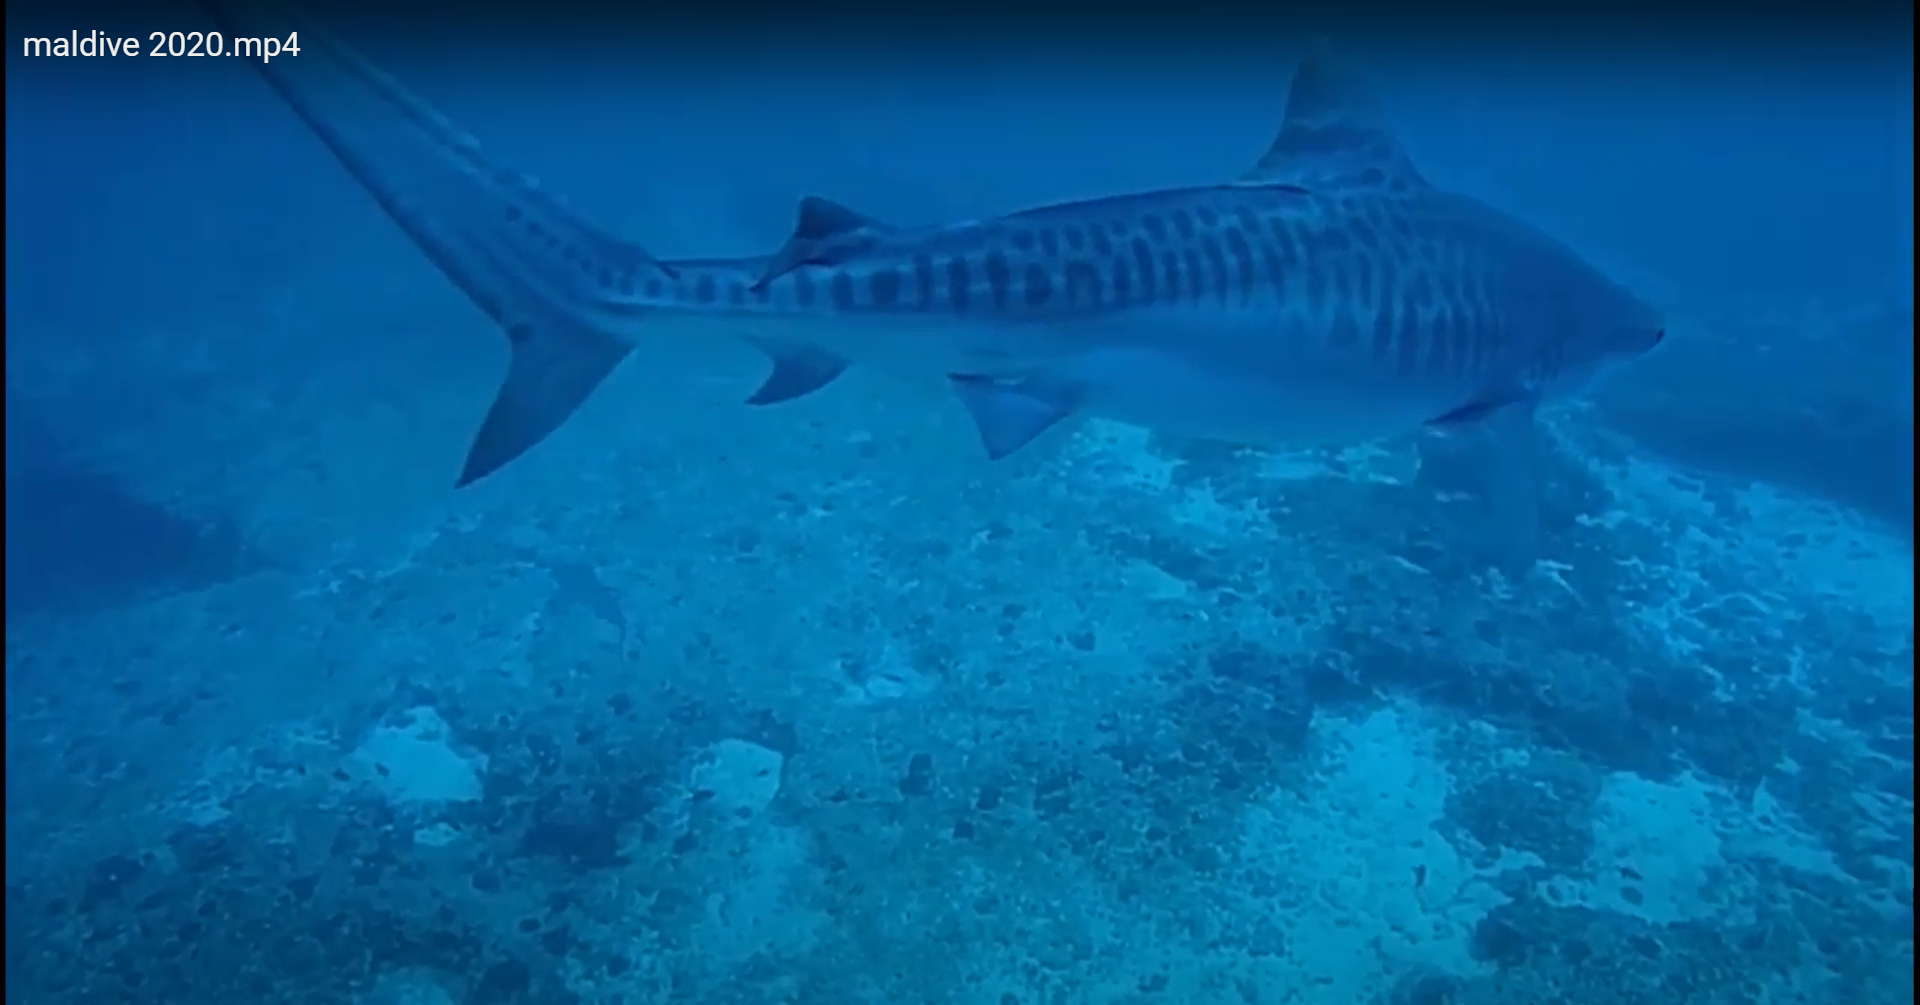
1618, 325
1614, 322
1597, 325
1335, 138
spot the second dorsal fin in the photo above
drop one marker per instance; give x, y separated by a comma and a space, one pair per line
823, 218
827, 233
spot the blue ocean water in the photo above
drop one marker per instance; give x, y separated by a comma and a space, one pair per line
813, 703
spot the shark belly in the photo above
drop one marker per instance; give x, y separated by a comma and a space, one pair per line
1167, 393
925, 346
1248, 379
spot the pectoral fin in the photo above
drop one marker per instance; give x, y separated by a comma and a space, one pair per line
1493, 399
1011, 413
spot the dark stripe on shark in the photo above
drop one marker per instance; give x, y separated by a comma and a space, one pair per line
1082, 284
1363, 234
1406, 342
1462, 319
1039, 286
1465, 333
1122, 282
1342, 291
1466, 321
1144, 266
1466, 337
1440, 335
1383, 327
1284, 242
925, 295
1243, 262
883, 286
1346, 333
999, 279
1489, 334
1200, 264
1276, 268
1363, 291
959, 283
1219, 273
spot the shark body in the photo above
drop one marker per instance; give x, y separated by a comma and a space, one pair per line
1330, 294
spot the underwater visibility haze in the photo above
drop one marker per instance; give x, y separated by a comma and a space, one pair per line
1291, 523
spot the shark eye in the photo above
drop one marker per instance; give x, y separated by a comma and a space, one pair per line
1659, 336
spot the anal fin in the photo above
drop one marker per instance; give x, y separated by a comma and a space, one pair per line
799, 369
1011, 413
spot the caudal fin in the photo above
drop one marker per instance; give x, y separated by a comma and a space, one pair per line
563, 291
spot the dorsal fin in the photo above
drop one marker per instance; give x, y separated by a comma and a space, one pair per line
1334, 135
827, 233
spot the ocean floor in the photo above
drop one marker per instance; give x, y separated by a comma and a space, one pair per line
813, 706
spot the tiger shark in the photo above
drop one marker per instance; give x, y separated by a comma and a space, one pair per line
1329, 294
